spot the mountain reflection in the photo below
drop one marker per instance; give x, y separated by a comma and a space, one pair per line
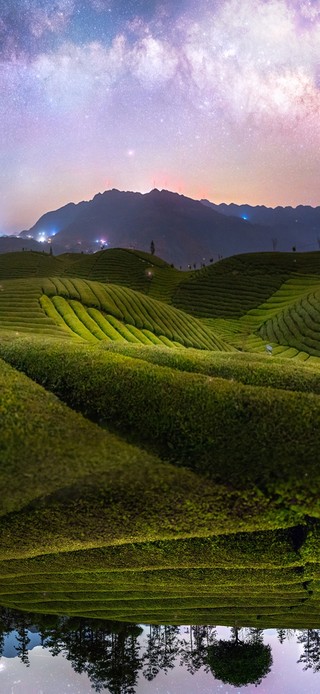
114, 655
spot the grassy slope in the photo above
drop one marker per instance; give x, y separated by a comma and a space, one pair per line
268, 441
93, 311
245, 301
247, 368
126, 510
134, 269
123, 509
287, 320
235, 285
30, 264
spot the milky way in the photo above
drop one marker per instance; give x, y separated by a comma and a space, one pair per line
214, 98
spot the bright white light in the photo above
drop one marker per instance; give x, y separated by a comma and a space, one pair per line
2, 666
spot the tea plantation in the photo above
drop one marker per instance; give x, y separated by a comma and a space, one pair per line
157, 462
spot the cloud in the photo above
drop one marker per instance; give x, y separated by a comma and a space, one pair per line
153, 62
75, 76
252, 60
23, 24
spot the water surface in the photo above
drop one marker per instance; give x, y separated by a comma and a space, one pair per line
60, 655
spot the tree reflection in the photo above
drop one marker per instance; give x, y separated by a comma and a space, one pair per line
240, 662
162, 650
113, 655
310, 638
194, 649
107, 652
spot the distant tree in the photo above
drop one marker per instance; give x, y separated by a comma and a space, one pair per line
50, 251
194, 265
294, 249
152, 248
274, 244
211, 260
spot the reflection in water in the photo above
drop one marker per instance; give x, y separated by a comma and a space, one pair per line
113, 655
238, 661
310, 638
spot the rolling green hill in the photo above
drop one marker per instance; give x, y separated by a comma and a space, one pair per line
188, 487
29, 264
95, 311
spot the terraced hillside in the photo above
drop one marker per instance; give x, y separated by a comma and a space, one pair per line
93, 311
29, 264
289, 321
230, 287
297, 325
97, 527
268, 595
236, 285
202, 505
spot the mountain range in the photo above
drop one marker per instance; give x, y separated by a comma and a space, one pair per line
291, 226
184, 231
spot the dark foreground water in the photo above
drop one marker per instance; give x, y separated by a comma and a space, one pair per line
59, 655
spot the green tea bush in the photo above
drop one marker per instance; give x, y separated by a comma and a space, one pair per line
227, 431
249, 369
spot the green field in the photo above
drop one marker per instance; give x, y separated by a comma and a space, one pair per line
156, 464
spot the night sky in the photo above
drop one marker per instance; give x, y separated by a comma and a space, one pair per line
209, 98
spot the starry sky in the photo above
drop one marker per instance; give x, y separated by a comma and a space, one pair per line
209, 98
